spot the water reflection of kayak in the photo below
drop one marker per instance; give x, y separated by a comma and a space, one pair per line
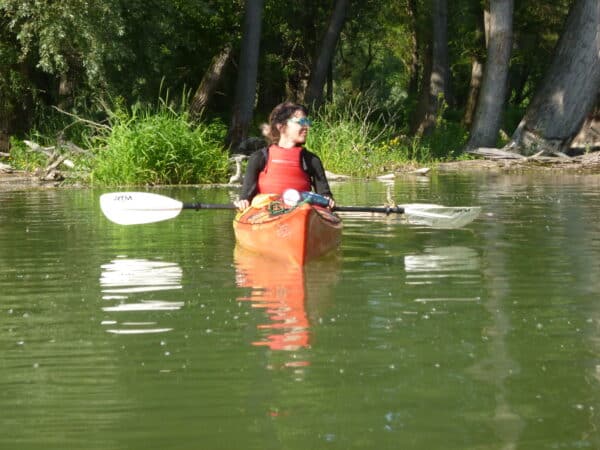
291, 295
297, 234
279, 290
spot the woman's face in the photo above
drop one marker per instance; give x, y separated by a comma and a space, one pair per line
296, 128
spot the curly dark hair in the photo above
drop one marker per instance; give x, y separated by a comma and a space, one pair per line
280, 115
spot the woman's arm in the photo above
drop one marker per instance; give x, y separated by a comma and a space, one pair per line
256, 163
317, 174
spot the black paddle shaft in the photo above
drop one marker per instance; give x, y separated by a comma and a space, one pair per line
374, 209
198, 206
371, 209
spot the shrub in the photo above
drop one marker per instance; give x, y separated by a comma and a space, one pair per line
347, 137
159, 147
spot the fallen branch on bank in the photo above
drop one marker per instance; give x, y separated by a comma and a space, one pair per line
495, 153
504, 153
70, 147
509, 158
35, 147
55, 159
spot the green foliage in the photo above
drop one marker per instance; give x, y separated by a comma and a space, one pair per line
65, 36
15, 87
159, 146
345, 135
445, 143
53, 127
448, 137
376, 47
170, 42
358, 138
291, 36
115, 48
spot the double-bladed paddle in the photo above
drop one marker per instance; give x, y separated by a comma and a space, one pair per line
134, 208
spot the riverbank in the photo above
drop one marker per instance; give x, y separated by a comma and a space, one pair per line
19, 179
587, 163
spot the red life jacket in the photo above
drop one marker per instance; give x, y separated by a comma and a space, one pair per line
282, 171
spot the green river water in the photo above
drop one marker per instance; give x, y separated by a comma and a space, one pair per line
164, 336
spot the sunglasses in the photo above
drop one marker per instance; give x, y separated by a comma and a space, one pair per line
302, 121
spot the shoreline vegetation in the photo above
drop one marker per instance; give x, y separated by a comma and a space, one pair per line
163, 145
64, 176
391, 87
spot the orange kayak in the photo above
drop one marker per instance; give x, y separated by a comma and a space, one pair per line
296, 234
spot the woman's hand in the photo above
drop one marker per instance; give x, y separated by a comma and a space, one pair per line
241, 204
331, 202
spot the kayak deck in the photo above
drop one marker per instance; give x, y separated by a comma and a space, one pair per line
298, 234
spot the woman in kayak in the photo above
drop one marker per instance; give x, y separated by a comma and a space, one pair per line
285, 164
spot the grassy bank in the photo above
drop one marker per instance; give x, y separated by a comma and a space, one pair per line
360, 140
161, 145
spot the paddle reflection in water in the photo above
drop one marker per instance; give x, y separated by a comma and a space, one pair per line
291, 295
453, 267
125, 280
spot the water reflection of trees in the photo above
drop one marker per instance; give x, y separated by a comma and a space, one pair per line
542, 280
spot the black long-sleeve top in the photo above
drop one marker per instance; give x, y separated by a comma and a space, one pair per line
311, 164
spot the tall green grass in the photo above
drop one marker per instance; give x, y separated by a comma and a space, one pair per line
359, 139
149, 145
347, 135
159, 146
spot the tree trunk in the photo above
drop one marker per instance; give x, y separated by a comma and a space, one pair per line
248, 70
419, 116
4, 131
363, 84
210, 81
440, 76
66, 88
314, 92
329, 85
413, 84
476, 72
569, 91
437, 92
16, 103
589, 135
474, 88
488, 117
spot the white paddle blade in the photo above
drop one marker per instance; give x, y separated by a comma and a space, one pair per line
439, 216
134, 208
